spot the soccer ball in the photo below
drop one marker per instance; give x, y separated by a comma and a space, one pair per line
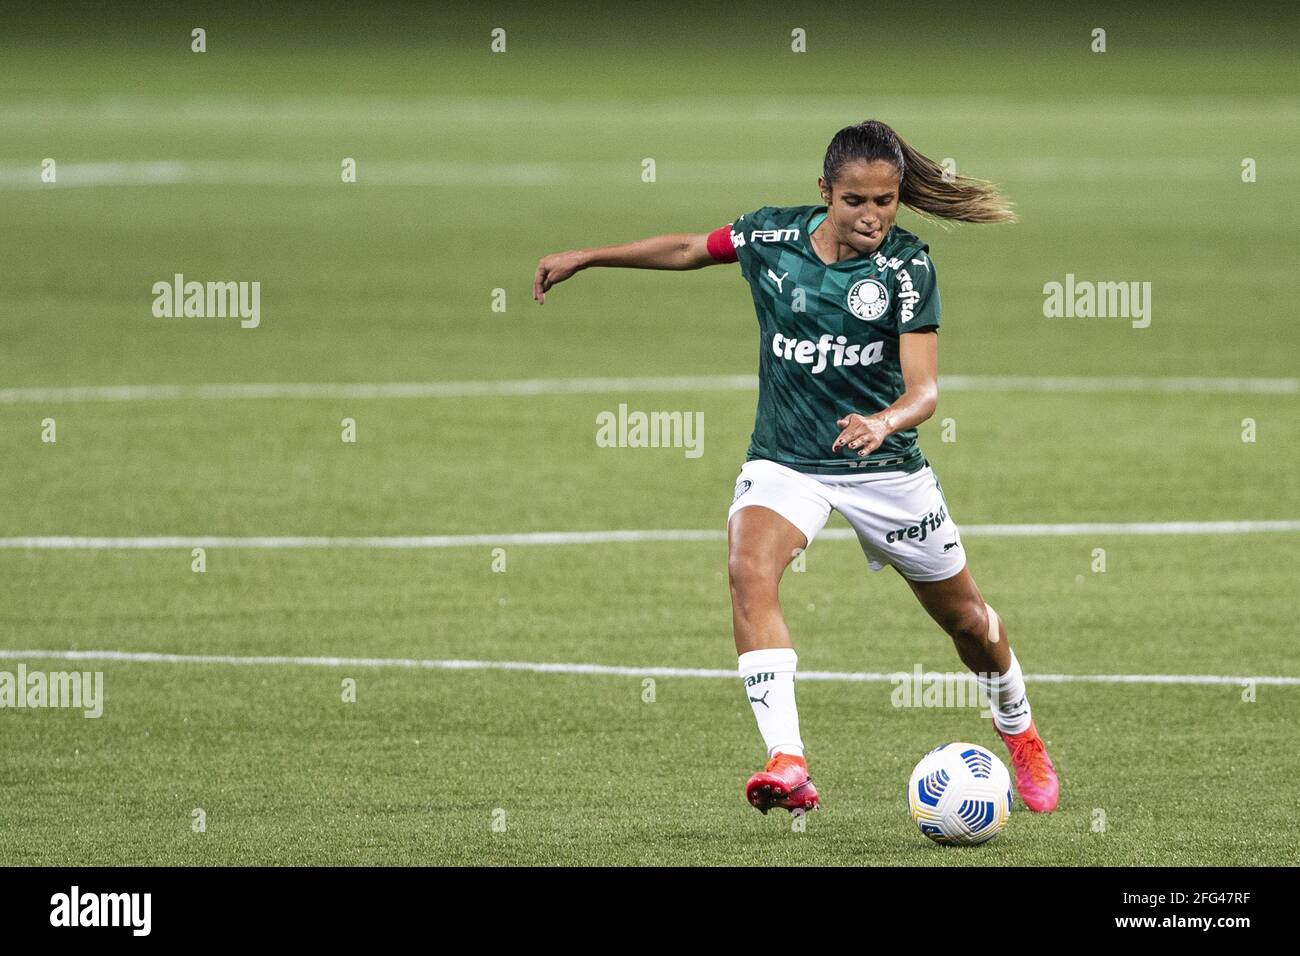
960, 795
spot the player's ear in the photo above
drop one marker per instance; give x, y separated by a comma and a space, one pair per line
825, 189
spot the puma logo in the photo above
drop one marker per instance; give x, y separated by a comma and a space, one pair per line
950, 545
1013, 710
772, 275
762, 700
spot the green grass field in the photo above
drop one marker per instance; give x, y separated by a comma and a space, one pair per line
1125, 165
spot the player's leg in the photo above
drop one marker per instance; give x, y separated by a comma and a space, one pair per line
958, 607
904, 521
775, 514
760, 546
980, 637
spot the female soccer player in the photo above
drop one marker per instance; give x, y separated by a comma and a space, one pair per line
848, 313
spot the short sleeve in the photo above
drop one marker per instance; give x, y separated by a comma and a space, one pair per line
918, 294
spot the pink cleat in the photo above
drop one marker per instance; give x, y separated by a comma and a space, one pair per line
784, 783
1035, 776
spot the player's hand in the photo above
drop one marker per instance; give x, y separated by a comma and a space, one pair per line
552, 269
862, 433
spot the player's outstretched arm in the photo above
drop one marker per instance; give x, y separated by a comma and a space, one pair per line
684, 250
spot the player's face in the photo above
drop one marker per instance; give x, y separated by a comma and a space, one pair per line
863, 203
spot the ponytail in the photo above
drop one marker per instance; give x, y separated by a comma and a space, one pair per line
926, 187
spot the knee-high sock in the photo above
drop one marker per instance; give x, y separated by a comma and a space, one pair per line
1006, 694
769, 683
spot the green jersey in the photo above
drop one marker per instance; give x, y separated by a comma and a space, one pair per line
829, 337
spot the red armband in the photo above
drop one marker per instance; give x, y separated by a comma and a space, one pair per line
720, 246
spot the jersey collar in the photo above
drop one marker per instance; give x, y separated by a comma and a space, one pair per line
854, 261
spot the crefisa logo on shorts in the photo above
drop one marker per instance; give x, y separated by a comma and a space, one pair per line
919, 531
868, 299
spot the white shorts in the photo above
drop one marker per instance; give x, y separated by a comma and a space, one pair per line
901, 519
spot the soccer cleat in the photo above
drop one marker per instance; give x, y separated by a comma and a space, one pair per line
784, 782
1035, 776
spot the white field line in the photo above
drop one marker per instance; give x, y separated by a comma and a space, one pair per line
1067, 112
461, 173
493, 388
537, 667
306, 111
435, 541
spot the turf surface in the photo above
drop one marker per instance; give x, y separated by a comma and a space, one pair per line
1124, 166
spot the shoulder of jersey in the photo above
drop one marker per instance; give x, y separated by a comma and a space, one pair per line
769, 228
910, 242
912, 250
760, 217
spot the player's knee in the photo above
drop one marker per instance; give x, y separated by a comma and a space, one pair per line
752, 576
970, 623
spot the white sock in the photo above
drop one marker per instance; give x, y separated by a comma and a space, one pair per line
769, 683
1010, 704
